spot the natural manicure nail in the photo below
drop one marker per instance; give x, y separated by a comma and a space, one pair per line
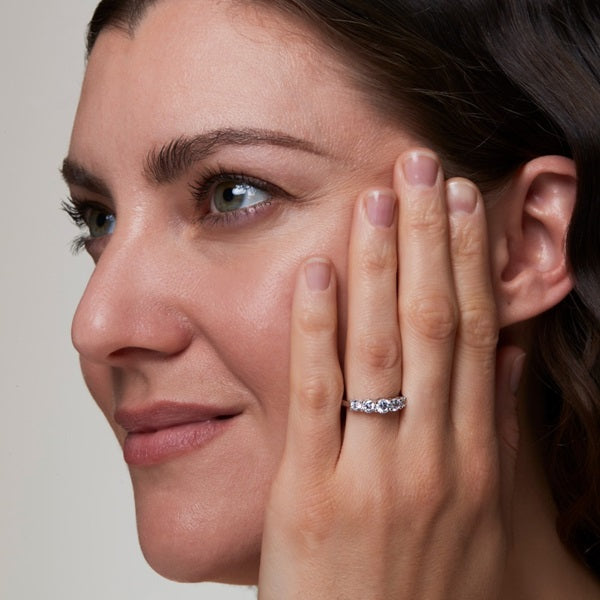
462, 197
380, 208
318, 275
420, 169
516, 373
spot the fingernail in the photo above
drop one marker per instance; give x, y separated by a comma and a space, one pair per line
380, 208
420, 169
318, 275
516, 371
461, 197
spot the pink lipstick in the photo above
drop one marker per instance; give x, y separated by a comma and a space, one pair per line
164, 430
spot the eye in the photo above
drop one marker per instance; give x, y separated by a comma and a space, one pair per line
98, 221
86, 215
230, 196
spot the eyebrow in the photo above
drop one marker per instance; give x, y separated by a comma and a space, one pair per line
170, 161
75, 174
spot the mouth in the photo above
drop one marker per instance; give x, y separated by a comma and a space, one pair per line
166, 430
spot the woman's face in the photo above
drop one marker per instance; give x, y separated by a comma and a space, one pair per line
230, 147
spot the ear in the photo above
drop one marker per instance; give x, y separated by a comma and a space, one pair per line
528, 222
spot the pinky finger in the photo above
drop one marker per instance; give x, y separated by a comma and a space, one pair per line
509, 367
316, 382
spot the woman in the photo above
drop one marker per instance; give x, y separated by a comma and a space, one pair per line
236, 166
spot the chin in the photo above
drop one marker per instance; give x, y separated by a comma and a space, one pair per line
196, 526
193, 562
188, 546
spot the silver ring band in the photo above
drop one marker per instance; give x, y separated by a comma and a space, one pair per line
380, 406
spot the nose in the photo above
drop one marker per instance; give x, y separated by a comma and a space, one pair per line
131, 307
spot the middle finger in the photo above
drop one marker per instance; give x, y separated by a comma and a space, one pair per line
428, 311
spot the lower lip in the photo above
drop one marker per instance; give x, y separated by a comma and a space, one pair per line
142, 449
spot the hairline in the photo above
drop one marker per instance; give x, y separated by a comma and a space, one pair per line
125, 21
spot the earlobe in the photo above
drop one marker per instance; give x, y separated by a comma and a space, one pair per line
528, 227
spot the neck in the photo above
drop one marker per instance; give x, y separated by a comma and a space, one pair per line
539, 565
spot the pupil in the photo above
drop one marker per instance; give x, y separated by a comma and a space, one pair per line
229, 195
232, 194
100, 221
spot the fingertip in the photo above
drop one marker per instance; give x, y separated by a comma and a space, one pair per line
516, 372
317, 273
510, 366
380, 207
419, 167
462, 196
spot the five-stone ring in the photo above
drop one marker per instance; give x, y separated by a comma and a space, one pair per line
381, 406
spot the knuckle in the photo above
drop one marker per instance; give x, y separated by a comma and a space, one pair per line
479, 327
375, 495
432, 317
467, 244
430, 500
311, 522
480, 484
428, 218
380, 351
314, 391
378, 258
430, 488
315, 515
314, 322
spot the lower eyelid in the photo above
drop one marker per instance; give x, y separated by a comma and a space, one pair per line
240, 216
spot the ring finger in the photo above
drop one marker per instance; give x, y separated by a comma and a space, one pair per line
373, 348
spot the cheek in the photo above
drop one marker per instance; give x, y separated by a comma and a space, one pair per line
256, 308
200, 516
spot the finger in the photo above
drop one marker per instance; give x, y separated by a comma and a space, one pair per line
510, 364
427, 307
372, 360
316, 385
472, 403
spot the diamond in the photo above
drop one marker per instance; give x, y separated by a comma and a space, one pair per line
383, 406
369, 406
356, 405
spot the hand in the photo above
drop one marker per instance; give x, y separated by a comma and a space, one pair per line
414, 504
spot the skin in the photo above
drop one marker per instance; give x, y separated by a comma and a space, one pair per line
197, 314
184, 309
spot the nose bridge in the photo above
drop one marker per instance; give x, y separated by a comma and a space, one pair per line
130, 303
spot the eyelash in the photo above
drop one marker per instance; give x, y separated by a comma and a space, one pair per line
208, 181
76, 209
201, 190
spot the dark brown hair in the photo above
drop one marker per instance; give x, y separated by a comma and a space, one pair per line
490, 85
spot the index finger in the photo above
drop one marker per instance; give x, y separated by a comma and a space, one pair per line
316, 383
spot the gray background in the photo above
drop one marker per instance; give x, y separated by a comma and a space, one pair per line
66, 517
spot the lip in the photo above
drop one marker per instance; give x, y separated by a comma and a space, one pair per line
165, 430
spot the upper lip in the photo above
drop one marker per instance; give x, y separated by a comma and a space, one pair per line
161, 415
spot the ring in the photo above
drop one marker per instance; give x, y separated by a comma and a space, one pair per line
381, 406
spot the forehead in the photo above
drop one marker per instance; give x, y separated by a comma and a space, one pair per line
194, 66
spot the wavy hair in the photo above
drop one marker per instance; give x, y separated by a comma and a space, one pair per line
491, 85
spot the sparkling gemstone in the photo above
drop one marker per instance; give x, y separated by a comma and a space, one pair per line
396, 404
383, 406
355, 405
369, 406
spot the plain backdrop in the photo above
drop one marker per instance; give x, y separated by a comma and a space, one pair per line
66, 512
